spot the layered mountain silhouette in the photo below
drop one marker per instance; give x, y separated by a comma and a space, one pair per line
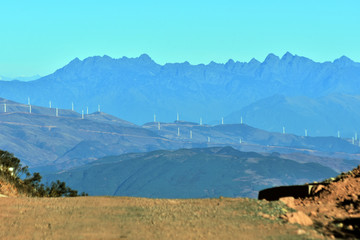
51, 139
189, 173
135, 88
323, 116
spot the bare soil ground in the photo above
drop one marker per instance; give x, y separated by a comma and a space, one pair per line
141, 218
335, 206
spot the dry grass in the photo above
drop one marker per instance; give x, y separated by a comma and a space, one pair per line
140, 218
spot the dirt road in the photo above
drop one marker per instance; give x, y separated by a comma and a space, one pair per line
140, 218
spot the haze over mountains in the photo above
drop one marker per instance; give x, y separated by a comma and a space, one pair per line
136, 88
44, 139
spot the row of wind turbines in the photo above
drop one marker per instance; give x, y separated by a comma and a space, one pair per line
353, 139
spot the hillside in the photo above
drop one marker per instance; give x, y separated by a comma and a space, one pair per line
135, 88
189, 173
46, 142
323, 116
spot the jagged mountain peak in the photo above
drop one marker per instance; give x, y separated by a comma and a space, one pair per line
271, 59
287, 57
254, 61
343, 61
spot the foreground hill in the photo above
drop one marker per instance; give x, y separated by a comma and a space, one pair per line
189, 173
140, 218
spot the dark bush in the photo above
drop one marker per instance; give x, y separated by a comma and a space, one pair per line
31, 185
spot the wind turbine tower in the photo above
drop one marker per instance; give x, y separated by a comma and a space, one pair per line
200, 121
154, 117
338, 134
159, 126
241, 120
72, 106
190, 134
28, 101
177, 117
50, 104
5, 107
283, 130
240, 141
178, 132
222, 121
57, 112
87, 110
355, 136
353, 140
29, 108
98, 107
306, 133
82, 114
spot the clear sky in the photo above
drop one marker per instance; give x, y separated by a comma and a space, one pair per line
40, 36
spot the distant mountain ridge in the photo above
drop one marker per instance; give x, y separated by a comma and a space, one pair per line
323, 116
49, 139
189, 173
135, 88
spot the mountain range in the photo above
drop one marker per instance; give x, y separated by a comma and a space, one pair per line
322, 116
52, 139
136, 88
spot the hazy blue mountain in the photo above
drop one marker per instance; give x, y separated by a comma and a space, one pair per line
135, 88
20, 78
189, 173
323, 116
48, 142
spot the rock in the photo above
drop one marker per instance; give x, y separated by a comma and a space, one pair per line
289, 201
317, 189
299, 218
300, 232
313, 214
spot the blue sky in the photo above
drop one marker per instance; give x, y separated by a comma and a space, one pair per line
38, 37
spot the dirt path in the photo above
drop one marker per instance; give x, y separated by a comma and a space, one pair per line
139, 218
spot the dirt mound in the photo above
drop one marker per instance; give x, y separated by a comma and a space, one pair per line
334, 205
7, 189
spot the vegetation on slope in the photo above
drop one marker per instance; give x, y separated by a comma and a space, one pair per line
14, 173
